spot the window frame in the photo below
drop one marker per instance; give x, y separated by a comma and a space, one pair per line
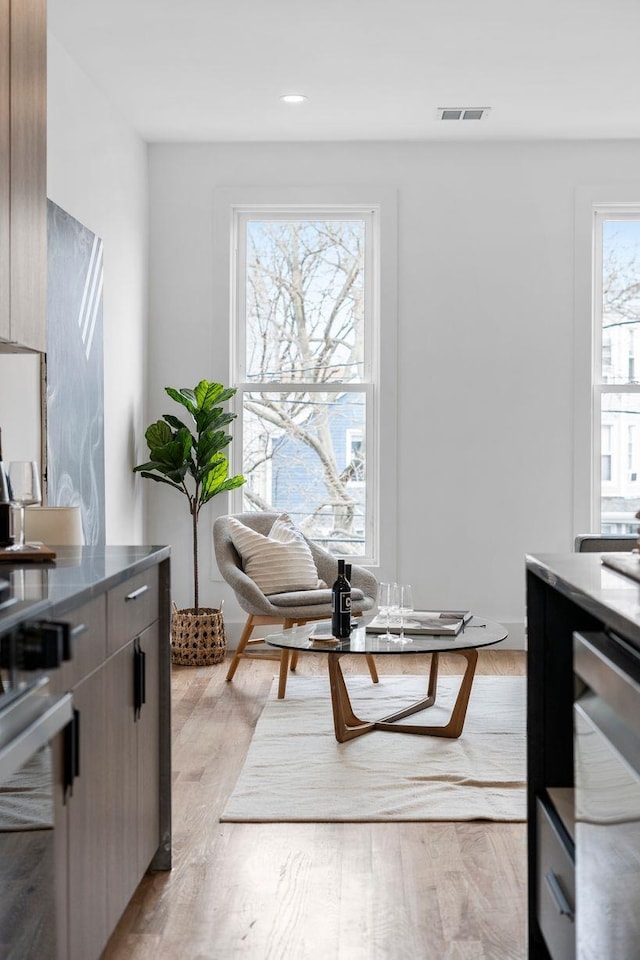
593, 205
380, 202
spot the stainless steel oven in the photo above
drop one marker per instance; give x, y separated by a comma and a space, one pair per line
32, 721
607, 797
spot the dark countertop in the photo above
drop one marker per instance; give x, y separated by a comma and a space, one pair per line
608, 595
76, 576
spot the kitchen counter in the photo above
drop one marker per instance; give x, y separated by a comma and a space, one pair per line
77, 575
603, 593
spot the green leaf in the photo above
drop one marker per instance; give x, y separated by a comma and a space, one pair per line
174, 422
213, 419
174, 470
231, 484
215, 480
211, 444
188, 442
208, 393
158, 479
184, 396
158, 434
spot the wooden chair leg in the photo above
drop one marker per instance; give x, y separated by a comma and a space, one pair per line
242, 642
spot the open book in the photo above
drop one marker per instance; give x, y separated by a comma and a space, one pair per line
423, 622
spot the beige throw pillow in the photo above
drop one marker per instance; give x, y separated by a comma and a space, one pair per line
278, 563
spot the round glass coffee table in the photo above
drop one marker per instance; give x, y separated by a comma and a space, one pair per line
315, 638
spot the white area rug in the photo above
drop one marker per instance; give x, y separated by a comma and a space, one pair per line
296, 770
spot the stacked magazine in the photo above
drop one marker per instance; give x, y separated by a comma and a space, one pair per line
422, 623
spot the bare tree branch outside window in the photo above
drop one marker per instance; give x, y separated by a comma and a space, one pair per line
304, 335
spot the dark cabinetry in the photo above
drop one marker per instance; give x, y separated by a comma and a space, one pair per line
23, 223
571, 597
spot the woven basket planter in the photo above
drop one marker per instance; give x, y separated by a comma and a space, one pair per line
197, 637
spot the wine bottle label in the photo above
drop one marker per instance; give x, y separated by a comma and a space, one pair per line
341, 602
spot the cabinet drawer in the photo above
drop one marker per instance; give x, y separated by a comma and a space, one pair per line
131, 607
88, 644
556, 888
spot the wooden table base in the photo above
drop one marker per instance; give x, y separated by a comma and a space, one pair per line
348, 726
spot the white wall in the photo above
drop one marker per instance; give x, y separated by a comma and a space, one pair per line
97, 172
20, 412
485, 341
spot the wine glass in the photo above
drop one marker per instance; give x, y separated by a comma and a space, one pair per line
384, 601
394, 603
405, 605
25, 490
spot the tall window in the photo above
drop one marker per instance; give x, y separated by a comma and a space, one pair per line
305, 366
616, 389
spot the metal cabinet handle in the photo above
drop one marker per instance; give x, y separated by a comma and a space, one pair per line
78, 630
71, 753
139, 679
137, 593
558, 894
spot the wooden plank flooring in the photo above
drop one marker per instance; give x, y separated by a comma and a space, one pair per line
324, 891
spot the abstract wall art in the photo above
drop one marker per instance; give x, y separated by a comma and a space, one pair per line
75, 371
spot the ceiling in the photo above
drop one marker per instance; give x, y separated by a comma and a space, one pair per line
214, 70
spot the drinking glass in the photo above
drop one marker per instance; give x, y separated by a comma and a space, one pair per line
385, 597
394, 603
25, 490
405, 604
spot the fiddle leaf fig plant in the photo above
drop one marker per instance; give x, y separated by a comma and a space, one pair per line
190, 458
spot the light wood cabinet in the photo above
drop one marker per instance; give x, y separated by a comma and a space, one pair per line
87, 823
113, 821
23, 171
149, 737
122, 763
133, 764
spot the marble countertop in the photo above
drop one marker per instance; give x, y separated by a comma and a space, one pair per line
76, 575
608, 595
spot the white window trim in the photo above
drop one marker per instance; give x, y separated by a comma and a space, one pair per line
589, 203
383, 461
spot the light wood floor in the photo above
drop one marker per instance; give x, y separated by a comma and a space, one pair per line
341, 891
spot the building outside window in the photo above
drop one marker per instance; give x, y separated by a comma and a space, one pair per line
305, 364
616, 392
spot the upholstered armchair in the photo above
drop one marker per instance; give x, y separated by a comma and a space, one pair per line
287, 608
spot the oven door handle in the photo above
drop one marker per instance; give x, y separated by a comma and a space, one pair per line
611, 671
562, 904
55, 714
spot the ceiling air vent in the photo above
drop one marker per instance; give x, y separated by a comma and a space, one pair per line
463, 113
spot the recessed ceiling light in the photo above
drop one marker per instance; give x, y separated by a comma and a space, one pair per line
293, 98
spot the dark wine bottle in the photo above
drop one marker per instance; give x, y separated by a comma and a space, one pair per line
6, 539
341, 605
